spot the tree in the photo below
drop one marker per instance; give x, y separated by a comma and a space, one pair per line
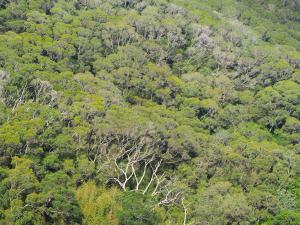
133, 213
99, 206
285, 217
17, 184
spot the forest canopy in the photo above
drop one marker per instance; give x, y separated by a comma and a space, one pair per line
131, 112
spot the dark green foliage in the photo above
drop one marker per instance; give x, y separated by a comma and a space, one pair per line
132, 212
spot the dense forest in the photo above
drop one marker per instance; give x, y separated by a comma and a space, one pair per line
153, 112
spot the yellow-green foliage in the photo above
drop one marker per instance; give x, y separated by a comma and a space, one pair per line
98, 205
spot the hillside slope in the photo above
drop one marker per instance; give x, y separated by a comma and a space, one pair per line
149, 112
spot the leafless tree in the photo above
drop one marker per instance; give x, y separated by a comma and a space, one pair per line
132, 162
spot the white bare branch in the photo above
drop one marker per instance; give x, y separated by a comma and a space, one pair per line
185, 210
130, 159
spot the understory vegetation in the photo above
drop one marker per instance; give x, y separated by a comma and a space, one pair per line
149, 112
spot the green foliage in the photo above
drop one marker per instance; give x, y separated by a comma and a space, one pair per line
149, 112
285, 217
99, 206
133, 213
